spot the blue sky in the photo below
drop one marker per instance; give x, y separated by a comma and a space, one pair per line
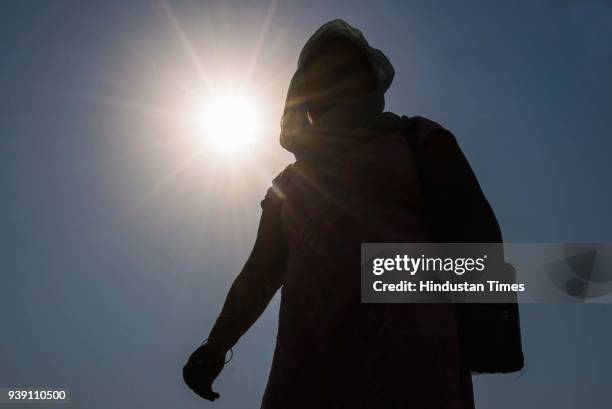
111, 277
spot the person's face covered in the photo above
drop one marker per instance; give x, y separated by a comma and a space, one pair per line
336, 71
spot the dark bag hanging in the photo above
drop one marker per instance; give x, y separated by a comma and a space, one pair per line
490, 334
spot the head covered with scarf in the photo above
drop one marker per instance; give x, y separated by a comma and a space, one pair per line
341, 118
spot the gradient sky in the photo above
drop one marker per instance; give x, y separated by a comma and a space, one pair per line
116, 253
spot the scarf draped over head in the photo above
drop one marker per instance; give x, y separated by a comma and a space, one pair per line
298, 133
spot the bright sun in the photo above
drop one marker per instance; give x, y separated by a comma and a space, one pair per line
230, 122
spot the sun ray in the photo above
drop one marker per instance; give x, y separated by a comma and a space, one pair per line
260, 40
137, 105
156, 188
174, 81
186, 44
222, 118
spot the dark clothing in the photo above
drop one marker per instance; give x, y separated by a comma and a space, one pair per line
359, 179
332, 351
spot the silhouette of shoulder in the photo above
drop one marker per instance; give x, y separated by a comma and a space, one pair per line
275, 193
426, 129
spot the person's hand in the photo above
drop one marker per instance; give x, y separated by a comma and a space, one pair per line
201, 369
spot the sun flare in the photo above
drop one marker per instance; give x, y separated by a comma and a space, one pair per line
230, 122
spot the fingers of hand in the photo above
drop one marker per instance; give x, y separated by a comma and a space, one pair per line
207, 393
199, 380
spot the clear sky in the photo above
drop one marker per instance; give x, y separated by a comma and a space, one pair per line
118, 243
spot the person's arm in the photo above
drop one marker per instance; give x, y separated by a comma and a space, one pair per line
260, 278
252, 290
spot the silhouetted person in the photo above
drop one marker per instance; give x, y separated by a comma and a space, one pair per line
360, 175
